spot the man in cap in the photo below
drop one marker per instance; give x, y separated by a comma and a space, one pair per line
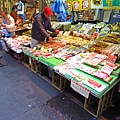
40, 26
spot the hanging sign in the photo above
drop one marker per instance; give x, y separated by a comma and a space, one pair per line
6, 5
78, 87
76, 6
96, 4
69, 6
85, 4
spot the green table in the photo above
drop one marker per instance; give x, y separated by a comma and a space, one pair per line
104, 98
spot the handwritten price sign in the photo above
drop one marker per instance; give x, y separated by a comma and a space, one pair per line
78, 87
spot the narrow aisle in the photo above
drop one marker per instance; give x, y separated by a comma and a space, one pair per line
23, 94
26, 96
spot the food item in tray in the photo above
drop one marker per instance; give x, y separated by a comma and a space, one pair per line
111, 58
86, 68
98, 47
76, 74
99, 25
111, 65
96, 84
94, 59
112, 38
37, 53
110, 49
102, 75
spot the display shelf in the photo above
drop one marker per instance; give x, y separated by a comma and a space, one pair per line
115, 72
102, 103
35, 66
97, 94
96, 103
59, 82
18, 56
52, 62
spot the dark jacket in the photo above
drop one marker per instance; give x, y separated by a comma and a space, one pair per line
40, 26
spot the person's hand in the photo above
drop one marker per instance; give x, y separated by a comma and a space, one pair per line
3, 25
50, 39
57, 31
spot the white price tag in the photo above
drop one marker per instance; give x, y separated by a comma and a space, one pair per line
84, 91
107, 70
77, 86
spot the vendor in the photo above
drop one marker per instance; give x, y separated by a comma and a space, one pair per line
20, 19
40, 26
14, 13
8, 23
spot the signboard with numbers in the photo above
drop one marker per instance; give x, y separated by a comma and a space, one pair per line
78, 87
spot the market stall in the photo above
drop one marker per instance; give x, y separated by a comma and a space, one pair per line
86, 58
87, 63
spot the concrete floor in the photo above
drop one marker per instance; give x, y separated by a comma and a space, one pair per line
26, 96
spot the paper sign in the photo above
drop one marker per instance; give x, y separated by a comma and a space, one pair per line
84, 91
6, 4
77, 86
96, 4
76, 6
85, 4
106, 16
107, 70
69, 6
111, 58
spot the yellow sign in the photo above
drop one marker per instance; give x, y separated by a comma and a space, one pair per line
85, 4
76, 5
97, 2
6, 5
69, 6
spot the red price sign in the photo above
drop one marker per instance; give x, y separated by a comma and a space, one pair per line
78, 87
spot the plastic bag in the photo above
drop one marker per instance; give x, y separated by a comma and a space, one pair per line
7, 34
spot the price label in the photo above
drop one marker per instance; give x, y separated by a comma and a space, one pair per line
111, 58
75, 85
69, 6
78, 87
76, 6
84, 91
107, 70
